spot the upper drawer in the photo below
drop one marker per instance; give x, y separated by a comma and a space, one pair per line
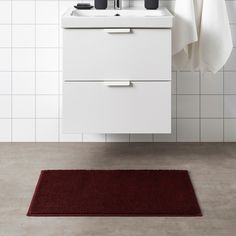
117, 54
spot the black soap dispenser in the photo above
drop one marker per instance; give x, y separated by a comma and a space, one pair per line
100, 4
151, 4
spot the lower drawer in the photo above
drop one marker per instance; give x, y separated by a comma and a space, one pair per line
117, 107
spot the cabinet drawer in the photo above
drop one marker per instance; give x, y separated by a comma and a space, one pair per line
99, 107
117, 54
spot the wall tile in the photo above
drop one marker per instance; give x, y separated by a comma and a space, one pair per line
23, 83
23, 106
188, 130
5, 12
117, 138
23, 59
5, 32
5, 83
23, 36
47, 83
231, 63
173, 82
5, 59
231, 6
188, 83
46, 59
169, 4
23, 130
60, 106
60, 37
212, 106
229, 106
187, 106
65, 137
5, 128
212, 84
230, 130
60, 83
47, 130
63, 5
47, 36
136, 3
61, 59
47, 12
173, 106
47, 106
5, 104
94, 138
141, 138
212, 130
233, 31
23, 12
230, 82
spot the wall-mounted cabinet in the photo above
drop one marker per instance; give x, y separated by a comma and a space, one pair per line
117, 79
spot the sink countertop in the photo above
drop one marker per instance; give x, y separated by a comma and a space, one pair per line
128, 18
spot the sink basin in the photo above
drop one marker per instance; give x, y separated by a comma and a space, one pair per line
132, 17
122, 13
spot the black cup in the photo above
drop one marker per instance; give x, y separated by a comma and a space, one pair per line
100, 4
151, 4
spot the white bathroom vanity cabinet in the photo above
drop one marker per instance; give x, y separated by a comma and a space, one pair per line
117, 71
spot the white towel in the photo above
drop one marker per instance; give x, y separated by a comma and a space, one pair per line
214, 44
215, 41
184, 32
194, 48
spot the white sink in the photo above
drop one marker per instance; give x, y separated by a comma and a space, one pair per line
131, 17
111, 13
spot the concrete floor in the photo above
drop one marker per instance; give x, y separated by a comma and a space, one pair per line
212, 168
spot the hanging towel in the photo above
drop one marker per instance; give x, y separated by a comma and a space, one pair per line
184, 32
215, 42
213, 46
194, 48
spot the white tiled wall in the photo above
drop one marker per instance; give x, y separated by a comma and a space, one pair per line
204, 105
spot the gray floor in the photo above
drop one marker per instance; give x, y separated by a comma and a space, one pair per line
212, 168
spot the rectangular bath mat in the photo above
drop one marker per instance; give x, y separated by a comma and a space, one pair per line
114, 193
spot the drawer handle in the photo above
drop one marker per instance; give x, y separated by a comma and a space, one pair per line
117, 83
117, 31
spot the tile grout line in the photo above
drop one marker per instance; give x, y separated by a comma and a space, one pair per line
52, 47
25, 47
153, 139
59, 61
11, 74
200, 107
180, 118
55, 94
176, 107
35, 75
99, 80
223, 104
176, 121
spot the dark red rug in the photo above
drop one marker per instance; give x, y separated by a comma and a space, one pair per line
114, 193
